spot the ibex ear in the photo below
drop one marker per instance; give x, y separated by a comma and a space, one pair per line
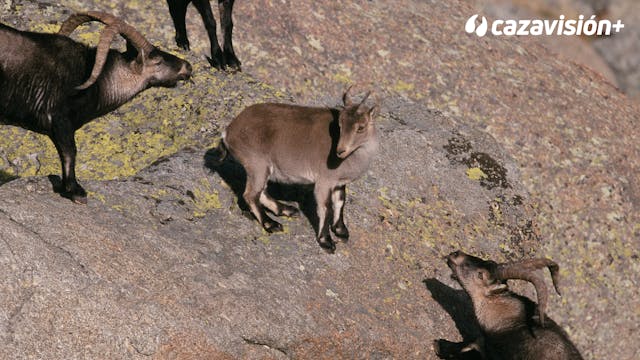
134, 53
346, 99
373, 112
140, 59
365, 116
496, 288
486, 278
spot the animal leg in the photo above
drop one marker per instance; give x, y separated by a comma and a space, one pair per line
338, 196
323, 198
445, 349
256, 185
226, 9
64, 141
204, 8
178, 11
277, 207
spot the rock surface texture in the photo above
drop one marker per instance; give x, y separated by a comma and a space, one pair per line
491, 145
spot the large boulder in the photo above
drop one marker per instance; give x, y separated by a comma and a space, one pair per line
164, 263
494, 146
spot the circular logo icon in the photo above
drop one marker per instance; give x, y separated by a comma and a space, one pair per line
471, 26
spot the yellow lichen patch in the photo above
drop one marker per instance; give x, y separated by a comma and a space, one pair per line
264, 238
402, 86
342, 78
97, 196
29, 153
205, 198
45, 28
475, 173
159, 194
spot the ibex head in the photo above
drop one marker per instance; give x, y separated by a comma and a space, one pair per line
356, 125
486, 278
155, 66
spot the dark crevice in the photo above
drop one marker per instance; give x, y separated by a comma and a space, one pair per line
268, 344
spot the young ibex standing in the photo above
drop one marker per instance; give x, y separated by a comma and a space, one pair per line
54, 85
303, 145
220, 57
511, 326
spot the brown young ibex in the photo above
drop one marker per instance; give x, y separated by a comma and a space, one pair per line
293, 144
54, 85
511, 326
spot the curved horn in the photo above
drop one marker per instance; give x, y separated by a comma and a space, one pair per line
78, 19
346, 99
114, 26
72, 23
125, 29
365, 98
360, 111
524, 270
101, 56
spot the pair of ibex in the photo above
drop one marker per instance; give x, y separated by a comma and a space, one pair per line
54, 85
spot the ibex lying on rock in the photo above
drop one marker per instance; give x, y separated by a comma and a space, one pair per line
303, 145
512, 329
220, 58
54, 85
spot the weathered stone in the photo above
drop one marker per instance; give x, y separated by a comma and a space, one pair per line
490, 145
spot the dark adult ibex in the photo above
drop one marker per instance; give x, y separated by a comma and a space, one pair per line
54, 85
303, 145
511, 326
220, 58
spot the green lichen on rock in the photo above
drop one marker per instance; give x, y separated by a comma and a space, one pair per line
436, 226
475, 173
205, 198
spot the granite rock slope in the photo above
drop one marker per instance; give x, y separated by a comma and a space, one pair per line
492, 145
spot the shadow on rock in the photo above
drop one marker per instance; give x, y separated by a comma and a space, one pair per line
5, 177
459, 306
236, 177
57, 187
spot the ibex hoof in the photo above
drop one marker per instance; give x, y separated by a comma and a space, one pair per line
290, 211
182, 43
79, 199
232, 62
342, 232
75, 193
272, 226
327, 244
216, 62
224, 61
217, 59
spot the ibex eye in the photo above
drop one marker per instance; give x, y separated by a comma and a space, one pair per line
360, 128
